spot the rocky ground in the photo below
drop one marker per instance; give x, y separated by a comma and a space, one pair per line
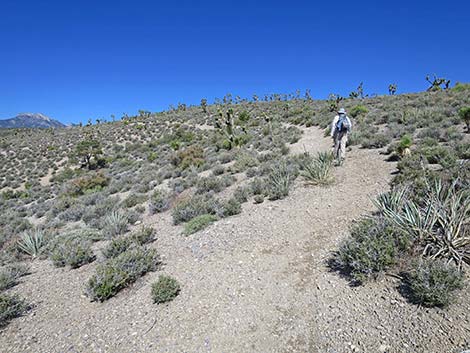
256, 282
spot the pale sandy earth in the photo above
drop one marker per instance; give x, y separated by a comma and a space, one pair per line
256, 282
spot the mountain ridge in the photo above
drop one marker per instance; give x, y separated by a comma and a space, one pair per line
30, 120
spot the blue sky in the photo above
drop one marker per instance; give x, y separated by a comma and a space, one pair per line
75, 60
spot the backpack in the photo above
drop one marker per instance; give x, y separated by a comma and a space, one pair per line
343, 124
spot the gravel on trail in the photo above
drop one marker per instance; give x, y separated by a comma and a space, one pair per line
256, 282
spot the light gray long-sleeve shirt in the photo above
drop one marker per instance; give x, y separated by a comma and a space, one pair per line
333, 124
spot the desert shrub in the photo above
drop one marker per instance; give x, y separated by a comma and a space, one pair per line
258, 186
464, 114
119, 272
165, 289
412, 169
450, 134
115, 223
210, 183
460, 87
71, 250
231, 207
358, 110
280, 180
430, 132
10, 274
117, 246
159, 201
198, 223
376, 141
134, 199
193, 207
190, 156
87, 184
32, 243
318, 170
462, 149
432, 283
405, 143
372, 248
244, 161
241, 194
11, 306
258, 199
438, 155
144, 235
218, 170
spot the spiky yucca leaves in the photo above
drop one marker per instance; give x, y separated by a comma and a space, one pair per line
32, 243
317, 170
440, 222
280, 180
116, 223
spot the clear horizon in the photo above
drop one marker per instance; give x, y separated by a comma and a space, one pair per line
80, 61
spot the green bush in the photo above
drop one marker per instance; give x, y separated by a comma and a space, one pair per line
144, 235
231, 207
165, 289
198, 223
71, 250
196, 206
376, 141
117, 246
208, 184
358, 110
119, 272
11, 306
133, 200
10, 274
438, 155
464, 114
432, 283
88, 184
373, 247
159, 201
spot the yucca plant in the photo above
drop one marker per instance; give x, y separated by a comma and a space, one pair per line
116, 223
392, 200
32, 243
440, 223
318, 170
279, 181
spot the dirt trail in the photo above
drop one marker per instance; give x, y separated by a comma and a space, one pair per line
256, 282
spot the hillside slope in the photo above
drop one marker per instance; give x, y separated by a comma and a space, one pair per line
257, 278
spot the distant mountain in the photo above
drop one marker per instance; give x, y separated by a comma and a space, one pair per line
30, 120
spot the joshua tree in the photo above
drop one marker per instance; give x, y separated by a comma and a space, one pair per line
204, 105
333, 101
225, 122
437, 82
88, 151
358, 93
392, 89
360, 90
308, 95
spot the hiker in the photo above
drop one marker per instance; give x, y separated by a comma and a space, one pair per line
340, 128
